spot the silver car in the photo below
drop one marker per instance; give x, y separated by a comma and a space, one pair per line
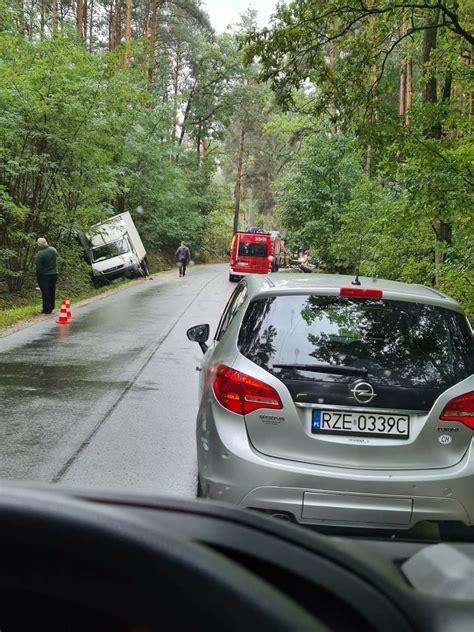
334, 403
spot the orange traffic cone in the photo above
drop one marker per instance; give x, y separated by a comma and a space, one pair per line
67, 304
63, 318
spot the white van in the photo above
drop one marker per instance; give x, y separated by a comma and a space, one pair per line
116, 250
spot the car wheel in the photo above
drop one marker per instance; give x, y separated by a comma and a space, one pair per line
199, 490
455, 532
144, 268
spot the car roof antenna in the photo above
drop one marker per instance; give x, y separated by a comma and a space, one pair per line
356, 280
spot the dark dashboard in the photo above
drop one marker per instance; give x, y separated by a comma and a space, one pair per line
115, 561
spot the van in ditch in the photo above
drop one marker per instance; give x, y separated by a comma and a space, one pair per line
115, 250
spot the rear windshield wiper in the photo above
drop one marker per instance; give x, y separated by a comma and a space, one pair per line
325, 368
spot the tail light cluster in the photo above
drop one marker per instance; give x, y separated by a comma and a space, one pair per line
460, 409
242, 394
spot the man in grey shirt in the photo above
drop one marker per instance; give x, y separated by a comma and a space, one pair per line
183, 255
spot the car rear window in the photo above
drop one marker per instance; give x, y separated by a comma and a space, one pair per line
251, 249
397, 342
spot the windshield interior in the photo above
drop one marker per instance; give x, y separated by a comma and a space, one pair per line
233, 152
113, 249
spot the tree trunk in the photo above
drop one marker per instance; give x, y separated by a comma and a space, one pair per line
20, 19
91, 24
238, 181
448, 82
408, 90
31, 20
42, 17
333, 104
117, 24
84, 19
198, 145
153, 25
111, 25
128, 31
441, 227
430, 91
176, 74
120, 203
146, 18
403, 78
79, 15
402, 91
186, 114
54, 14
373, 87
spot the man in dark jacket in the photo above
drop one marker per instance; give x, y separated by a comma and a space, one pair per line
183, 255
46, 274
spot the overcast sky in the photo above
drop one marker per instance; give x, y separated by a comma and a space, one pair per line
225, 12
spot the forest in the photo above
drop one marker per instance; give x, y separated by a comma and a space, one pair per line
347, 126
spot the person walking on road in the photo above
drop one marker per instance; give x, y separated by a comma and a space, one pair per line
183, 255
46, 274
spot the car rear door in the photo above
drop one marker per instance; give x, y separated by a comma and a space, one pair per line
381, 407
252, 254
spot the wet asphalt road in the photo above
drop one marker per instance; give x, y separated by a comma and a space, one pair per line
110, 400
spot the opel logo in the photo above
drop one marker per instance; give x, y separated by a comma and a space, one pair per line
363, 392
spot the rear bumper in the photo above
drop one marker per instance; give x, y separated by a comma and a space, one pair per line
242, 273
232, 470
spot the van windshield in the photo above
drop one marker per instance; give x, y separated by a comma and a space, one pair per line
399, 343
107, 251
251, 249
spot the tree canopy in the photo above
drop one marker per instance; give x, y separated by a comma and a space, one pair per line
346, 126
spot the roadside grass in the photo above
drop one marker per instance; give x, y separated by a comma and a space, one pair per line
15, 308
11, 315
15, 314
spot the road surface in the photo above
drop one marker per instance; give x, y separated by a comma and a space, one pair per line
110, 400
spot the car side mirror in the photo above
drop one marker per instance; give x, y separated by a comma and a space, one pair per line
199, 334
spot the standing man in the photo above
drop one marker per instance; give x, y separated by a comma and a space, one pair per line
183, 255
46, 274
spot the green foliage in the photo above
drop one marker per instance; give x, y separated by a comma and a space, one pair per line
396, 186
61, 112
315, 191
82, 138
218, 236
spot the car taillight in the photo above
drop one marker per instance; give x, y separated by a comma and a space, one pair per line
460, 409
360, 292
242, 393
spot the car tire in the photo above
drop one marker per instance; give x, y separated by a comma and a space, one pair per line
455, 532
199, 490
144, 268
99, 282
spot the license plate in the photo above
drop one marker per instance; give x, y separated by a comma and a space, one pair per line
242, 263
361, 424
